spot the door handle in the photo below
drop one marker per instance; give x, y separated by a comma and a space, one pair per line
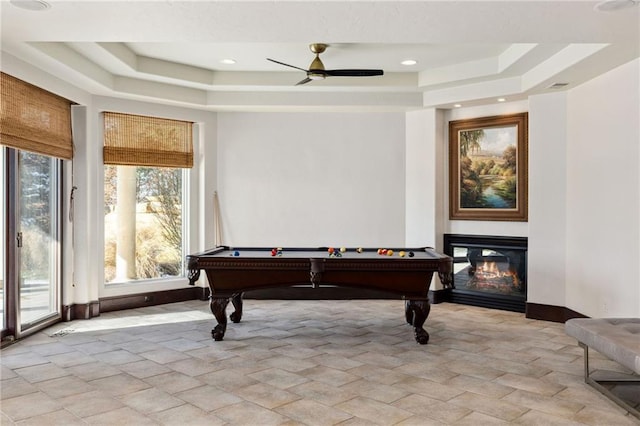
19, 239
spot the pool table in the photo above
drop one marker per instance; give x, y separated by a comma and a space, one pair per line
231, 271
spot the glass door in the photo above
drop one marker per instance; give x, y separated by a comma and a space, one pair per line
38, 239
32, 232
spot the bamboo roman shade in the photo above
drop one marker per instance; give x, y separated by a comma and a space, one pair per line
32, 119
136, 140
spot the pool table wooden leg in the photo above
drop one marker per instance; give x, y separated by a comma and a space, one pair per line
236, 300
218, 307
416, 313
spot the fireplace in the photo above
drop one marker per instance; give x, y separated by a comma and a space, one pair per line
488, 271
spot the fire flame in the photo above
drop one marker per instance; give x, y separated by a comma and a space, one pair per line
490, 270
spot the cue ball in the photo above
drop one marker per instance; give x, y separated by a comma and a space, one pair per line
410, 254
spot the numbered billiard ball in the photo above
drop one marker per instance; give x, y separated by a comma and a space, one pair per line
410, 254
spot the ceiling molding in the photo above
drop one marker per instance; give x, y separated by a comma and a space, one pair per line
467, 52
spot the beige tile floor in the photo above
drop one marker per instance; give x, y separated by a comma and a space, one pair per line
302, 363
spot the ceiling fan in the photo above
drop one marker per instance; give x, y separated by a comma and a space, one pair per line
317, 71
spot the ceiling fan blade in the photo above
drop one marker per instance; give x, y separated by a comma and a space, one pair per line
305, 81
286, 65
354, 73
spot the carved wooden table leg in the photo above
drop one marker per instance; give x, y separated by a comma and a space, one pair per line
218, 307
236, 300
416, 313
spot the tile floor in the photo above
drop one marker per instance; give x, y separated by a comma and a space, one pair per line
302, 363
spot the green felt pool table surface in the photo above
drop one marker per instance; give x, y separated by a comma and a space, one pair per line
322, 252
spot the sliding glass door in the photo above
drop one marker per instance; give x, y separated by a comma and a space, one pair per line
38, 238
32, 271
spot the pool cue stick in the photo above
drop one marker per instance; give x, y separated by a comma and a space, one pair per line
216, 220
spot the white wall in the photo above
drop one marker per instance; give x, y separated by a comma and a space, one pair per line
424, 174
312, 179
547, 199
603, 207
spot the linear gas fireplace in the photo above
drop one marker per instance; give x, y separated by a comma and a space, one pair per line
488, 271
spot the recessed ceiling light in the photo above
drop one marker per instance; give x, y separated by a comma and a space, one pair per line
409, 62
31, 4
613, 5
501, 99
228, 61
457, 105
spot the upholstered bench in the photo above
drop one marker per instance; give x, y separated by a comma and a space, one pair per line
619, 340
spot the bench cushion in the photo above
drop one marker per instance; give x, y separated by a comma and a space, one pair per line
616, 338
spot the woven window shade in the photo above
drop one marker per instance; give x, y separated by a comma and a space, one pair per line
32, 119
135, 140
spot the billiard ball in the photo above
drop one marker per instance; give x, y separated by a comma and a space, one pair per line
389, 252
330, 250
401, 253
384, 252
359, 250
380, 251
236, 253
410, 254
343, 249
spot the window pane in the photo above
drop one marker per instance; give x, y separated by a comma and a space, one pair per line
143, 223
39, 239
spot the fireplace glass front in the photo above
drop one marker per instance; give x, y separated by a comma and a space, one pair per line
489, 271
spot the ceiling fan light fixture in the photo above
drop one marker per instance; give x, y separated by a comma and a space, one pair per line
317, 71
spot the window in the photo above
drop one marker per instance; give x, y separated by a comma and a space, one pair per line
146, 162
144, 227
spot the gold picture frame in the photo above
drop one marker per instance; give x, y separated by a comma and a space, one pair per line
488, 168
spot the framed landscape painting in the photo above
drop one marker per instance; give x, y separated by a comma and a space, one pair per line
488, 168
